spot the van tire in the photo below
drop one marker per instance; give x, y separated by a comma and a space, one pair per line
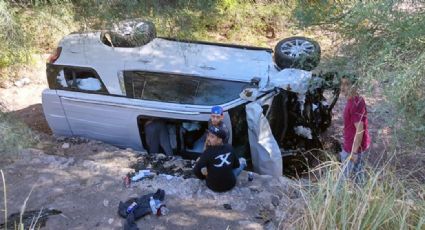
297, 52
130, 33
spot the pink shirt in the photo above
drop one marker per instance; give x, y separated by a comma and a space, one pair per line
355, 111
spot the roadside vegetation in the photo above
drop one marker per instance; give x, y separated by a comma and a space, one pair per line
385, 201
384, 43
14, 135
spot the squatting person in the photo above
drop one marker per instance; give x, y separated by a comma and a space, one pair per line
218, 165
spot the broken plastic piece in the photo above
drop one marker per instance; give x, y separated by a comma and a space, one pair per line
141, 174
304, 132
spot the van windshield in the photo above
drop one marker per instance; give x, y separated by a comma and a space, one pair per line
180, 89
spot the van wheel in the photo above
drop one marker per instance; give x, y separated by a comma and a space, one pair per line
297, 52
130, 33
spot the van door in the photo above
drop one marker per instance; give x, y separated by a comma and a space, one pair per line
265, 152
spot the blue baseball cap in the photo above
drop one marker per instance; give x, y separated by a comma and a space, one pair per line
217, 110
218, 131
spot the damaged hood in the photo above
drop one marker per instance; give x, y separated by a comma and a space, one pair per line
294, 80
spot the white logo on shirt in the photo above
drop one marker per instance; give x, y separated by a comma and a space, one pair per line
223, 158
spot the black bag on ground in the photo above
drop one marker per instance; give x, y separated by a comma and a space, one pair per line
143, 207
130, 224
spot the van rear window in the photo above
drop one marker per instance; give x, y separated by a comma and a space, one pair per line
79, 79
180, 88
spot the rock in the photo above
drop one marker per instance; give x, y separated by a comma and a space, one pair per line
160, 156
240, 206
53, 161
69, 162
94, 181
5, 84
275, 200
294, 194
35, 161
270, 226
250, 225
22, 82
255, 189
66, 145
106, 203
168, 164
179, 164
110, 221
40, 145
227, 206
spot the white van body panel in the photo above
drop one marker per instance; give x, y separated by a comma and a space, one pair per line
109, 118
54, 113
162, 55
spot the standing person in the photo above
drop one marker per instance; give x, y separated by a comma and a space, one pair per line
356, 133
216, 120
218, 165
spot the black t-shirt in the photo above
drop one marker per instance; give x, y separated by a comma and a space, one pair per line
220, 162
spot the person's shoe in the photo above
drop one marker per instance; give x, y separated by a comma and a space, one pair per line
242, 161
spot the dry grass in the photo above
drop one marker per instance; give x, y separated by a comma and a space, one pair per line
384, 202
14, 135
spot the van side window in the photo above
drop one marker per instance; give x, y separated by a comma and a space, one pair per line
182, 89
80, 79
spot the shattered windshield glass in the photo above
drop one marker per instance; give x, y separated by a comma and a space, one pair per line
180, 88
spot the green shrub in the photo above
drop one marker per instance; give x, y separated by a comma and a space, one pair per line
383, 41
14, 135
13, 44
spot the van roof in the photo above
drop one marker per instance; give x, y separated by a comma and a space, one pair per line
227, 63
213, 60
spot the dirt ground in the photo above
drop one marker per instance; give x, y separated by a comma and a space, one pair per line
84, 181
87, 187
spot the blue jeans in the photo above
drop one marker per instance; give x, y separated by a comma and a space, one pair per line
352, 169
237, 171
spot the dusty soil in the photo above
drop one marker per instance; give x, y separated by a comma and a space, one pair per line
87, 187
24, 102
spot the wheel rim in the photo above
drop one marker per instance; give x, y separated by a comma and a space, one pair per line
297, 47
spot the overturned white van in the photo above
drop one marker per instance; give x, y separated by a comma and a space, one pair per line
106, 91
